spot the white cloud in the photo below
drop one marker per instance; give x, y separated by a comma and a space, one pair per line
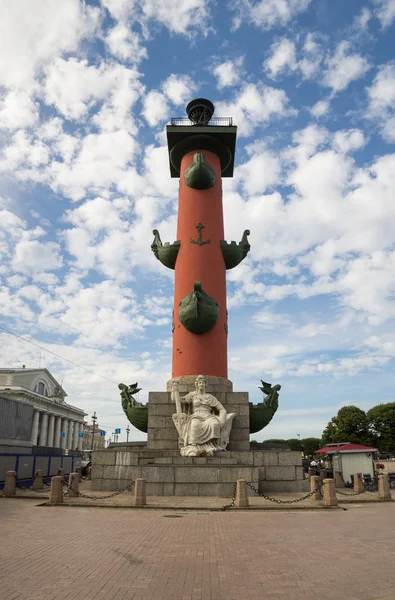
155, 108
32, 256
125, 44
346, 141
29, 41
179, 89
183, 17
261, 171
344, 67
228, 73
320, 108
385, 11
179, 16
267, 13
255, 105
381, 97
73, 86
283, 57
17, 110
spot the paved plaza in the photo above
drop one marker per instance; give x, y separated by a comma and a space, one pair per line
87, 553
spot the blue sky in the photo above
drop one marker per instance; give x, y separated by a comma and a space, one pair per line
86, 90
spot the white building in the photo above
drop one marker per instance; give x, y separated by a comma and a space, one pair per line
55, 423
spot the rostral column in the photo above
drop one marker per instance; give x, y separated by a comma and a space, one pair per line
201, 152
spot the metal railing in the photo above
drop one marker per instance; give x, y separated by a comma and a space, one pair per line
214, 122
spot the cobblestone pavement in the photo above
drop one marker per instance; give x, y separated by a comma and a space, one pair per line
84, 553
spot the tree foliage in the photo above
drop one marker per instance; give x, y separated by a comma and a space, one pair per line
295, 444
382, 425
310, 445
351, 424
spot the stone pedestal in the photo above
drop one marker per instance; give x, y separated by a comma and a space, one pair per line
162, 434
167, 473
358, 483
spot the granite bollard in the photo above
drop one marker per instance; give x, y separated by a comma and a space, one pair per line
315, 484
74, 485
384, 487
140, 498
329, 493
358, 483
241, 500
38, 483
10, 484
56, 491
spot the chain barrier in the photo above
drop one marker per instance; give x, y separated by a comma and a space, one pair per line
270, 498
126, 489
30, 488
231, 505
350, 494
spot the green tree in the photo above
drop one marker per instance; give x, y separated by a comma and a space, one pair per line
295, 444
310, 445
351, 424
382, 425
275, 441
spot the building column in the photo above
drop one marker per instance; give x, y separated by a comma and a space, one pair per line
51, 425
56, 439
75, 437
36, 416
70, 434
80, 439
65, 429
43, 429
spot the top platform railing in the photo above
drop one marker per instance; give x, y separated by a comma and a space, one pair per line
214, 122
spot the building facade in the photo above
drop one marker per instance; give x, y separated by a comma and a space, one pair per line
99, 438
53, 422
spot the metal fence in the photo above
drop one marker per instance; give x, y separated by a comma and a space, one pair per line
214, 122
26, 465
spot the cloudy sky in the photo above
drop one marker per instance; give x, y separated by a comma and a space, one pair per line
86, 90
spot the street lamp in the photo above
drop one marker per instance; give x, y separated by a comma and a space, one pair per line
127, 433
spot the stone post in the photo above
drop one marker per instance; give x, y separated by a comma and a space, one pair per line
315, 483
74, 485
329, 493
10, 484
51, 425
36, 416
384, 487
323, 474
78, 471
311, 472
241, 494
358, 483
140, 498
38, 483
339, 481
56, 491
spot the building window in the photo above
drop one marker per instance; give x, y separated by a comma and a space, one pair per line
41, 388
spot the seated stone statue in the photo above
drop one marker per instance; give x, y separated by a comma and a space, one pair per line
205, 426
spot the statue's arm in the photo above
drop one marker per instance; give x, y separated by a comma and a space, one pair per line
222, 412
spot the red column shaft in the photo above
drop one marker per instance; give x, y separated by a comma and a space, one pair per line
204, 353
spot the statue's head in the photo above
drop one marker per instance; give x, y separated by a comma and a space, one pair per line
200, 382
